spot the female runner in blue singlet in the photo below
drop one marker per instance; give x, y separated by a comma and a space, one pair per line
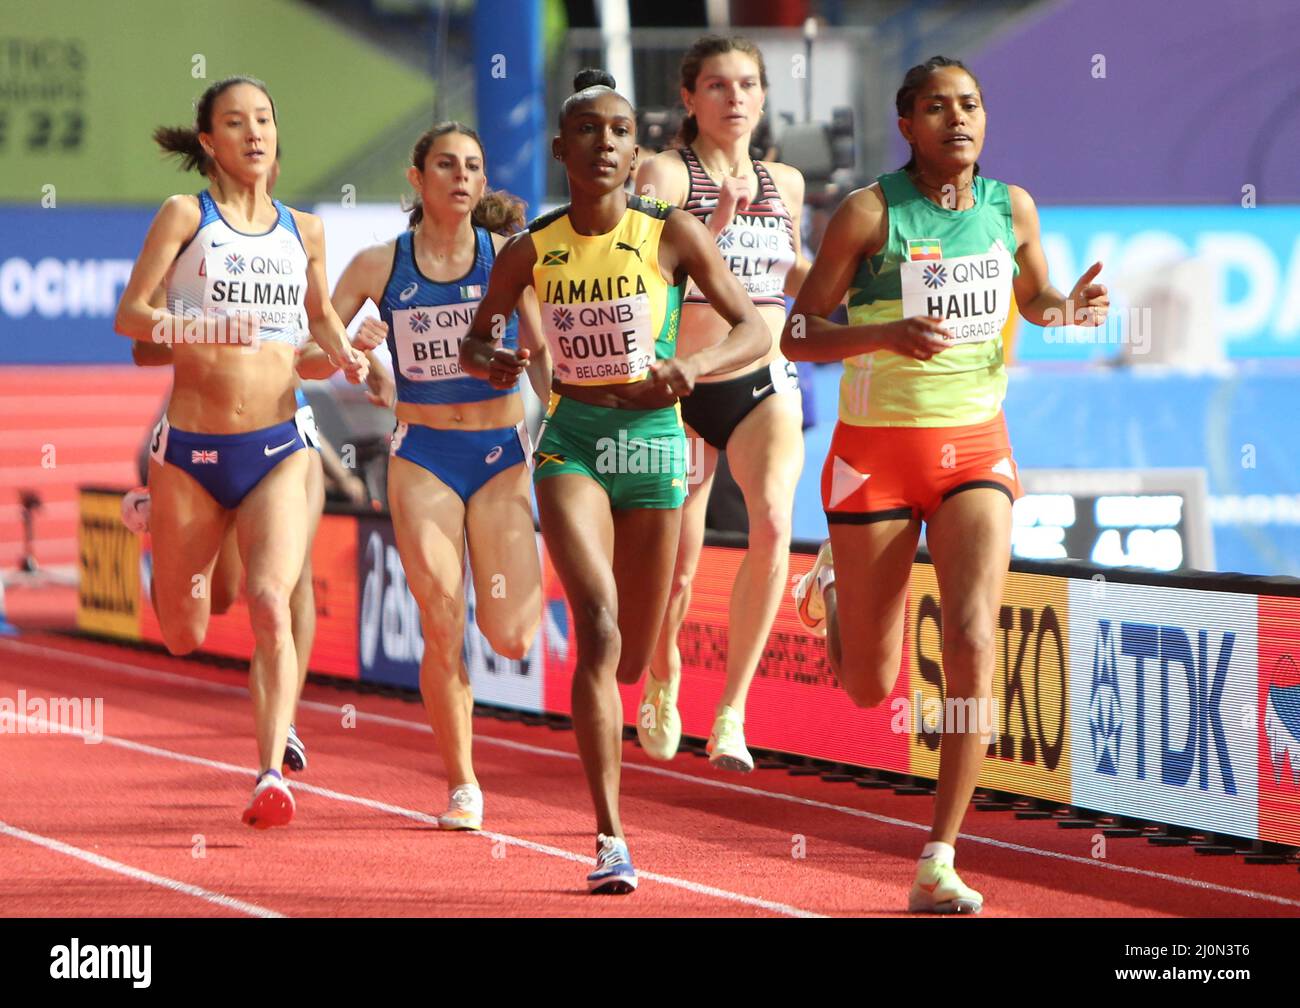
459, 466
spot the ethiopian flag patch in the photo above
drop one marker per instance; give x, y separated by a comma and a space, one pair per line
923, 248
556, 257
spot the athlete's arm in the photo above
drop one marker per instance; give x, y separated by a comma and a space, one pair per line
663, 177
789, 182
480, 354
857, 231
530, 334
691, 250
153, 354
532, 340
176, 223
381, 390
347, 482
1040, 302
323, 322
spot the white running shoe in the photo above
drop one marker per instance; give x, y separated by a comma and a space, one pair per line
809, 604
658, 725
464, 809
272, 803
939, 889
135, 510
726, 746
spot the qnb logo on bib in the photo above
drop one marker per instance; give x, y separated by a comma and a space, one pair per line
972, 294
600, 342
428, 340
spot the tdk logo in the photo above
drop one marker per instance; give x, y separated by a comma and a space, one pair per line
1189, 719
1105, 710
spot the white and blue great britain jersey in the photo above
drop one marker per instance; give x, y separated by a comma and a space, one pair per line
221, 270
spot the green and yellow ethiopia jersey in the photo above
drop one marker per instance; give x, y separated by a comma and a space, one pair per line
957, 264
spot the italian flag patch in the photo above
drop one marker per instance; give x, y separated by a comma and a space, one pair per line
923, 248
471, 292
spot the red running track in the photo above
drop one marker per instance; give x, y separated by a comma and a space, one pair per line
147, 822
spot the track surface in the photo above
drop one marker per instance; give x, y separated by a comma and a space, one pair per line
147, 822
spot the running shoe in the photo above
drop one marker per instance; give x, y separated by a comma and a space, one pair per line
135, 510
295, 753
726, 746
272, 803
807, 593
464, 809
614, 874
658, 725
939, 889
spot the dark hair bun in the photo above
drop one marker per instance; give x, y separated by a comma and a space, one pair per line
592, 77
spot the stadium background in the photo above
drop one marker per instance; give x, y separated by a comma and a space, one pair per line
1156, 137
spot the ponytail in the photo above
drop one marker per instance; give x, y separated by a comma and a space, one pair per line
501, 212
183, 143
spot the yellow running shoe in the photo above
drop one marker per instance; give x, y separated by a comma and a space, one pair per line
658, 725
726, 745
939, 889
807, 593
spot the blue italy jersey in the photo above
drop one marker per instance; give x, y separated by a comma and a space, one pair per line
426, 322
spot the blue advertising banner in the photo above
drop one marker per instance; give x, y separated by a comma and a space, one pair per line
1235, 269
62, 271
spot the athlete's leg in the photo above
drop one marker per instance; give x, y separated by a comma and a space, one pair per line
186, 526
765, 453
579, 531
645, 549
302, 601
969, 538
227, 574
503, 560
872, 565
666, 662
272, 526
429, 526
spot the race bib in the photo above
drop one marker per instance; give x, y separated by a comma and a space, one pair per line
759, 254
971, 293
428, 340
600, 342
272, 286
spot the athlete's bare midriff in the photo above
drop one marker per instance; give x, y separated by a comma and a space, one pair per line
487, 414
703, 327
231, 390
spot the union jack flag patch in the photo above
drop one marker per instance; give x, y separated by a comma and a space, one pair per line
203, 457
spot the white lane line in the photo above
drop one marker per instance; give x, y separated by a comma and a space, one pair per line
397, 810
677, 775
108, 864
